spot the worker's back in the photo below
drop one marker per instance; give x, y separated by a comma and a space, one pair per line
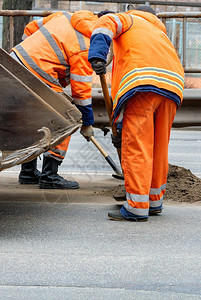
143, 55
51, 50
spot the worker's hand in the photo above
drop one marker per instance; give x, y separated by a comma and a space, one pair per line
116, 140
87, 132
98, 66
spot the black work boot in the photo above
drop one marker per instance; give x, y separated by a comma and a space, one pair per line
29, 173
155, 211
50, 179
117, 216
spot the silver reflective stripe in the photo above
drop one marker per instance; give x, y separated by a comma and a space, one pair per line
79, 35
48, 154
35, 67
136, 211
103, 31
67, 15
24, 37
156, 203
84, 102
80, 78
137, 198
118, 21
40, 22
154, 191
81, 40
54, 46
59, 152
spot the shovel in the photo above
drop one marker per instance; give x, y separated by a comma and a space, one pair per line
118, 174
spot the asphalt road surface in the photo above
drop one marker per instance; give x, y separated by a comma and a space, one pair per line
70, 250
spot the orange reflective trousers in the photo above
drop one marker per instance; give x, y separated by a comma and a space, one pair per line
60, 150
147, 122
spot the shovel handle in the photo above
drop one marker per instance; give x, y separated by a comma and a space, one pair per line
108, 104
107, 157
98, 146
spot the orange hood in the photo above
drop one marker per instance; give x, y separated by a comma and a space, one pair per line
84, 22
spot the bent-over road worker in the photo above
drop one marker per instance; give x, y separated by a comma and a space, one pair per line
55, 49
147, 83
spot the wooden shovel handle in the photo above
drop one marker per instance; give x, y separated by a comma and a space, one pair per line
108, 104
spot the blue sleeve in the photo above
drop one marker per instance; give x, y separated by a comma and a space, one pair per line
87, 114
119, 126
99, 46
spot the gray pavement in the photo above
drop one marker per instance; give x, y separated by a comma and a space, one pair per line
70, 250
78, 253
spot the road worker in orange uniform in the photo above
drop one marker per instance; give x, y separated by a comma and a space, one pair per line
147, 84
55, 49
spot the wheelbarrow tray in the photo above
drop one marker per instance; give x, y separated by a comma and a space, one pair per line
33, 118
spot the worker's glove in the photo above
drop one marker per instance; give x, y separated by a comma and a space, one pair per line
98, 66
87, 132
116, 140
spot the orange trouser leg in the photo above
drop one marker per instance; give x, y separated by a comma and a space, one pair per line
60, 150
164, 117
140, 138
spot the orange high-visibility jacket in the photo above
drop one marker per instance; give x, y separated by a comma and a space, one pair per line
58, 54
34, 25
143, 54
